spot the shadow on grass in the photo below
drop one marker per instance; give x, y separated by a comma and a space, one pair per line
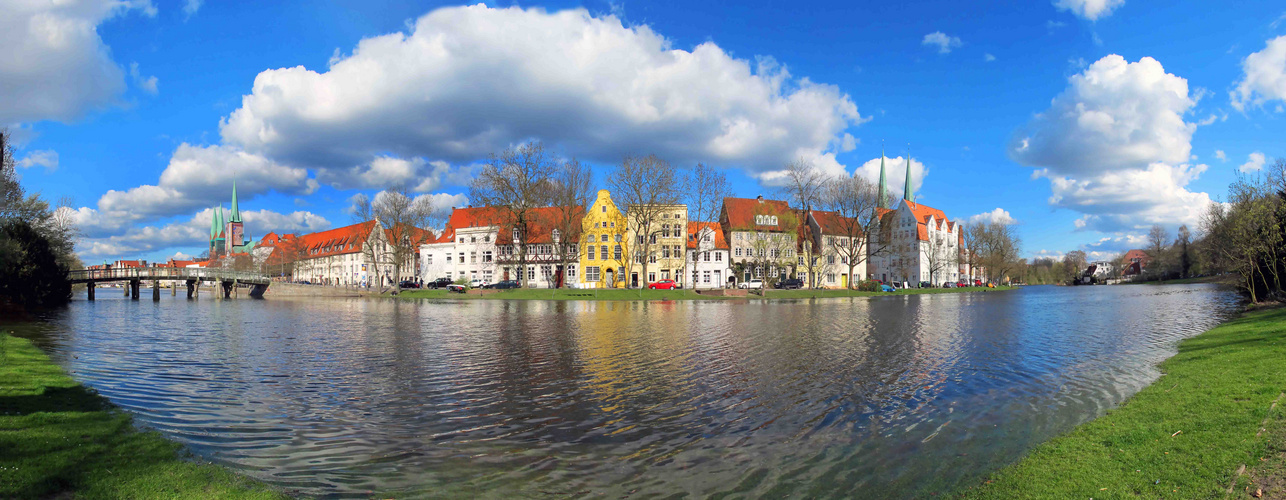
53, 400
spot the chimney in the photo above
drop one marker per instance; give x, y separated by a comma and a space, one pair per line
760, 198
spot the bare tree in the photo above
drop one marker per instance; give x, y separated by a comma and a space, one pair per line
1000, 248
1183, 247
969, 235
937, 255
1157, 239
706, 188
855, 201
649, 187
516, 182
399, 229
804, 185
569, 191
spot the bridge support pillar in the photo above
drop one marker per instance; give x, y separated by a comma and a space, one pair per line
227, 289
258, 290
174, 288
156, 290
133, 289
89, 287
192, 288
125, 288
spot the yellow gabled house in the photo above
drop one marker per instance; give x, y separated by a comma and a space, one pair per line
604, 249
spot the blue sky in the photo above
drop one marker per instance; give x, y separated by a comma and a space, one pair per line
1084, 121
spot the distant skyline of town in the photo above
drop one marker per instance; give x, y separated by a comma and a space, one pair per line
1083, 122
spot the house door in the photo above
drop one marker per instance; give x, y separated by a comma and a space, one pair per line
843, 281
610, 281
634, 280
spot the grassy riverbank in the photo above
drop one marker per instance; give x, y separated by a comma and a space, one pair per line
617, 294
61, 440
1217, 409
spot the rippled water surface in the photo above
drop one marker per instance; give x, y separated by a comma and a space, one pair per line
877, 397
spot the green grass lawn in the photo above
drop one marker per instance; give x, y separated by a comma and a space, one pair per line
618, 294
1184, 436
59, 439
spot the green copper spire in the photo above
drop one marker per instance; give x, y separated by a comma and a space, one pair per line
236, 213
884, 183
218, 214
906, 190
214, 224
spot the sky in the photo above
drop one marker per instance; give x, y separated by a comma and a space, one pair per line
1083, 122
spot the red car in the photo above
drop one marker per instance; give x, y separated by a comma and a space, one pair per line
663, 285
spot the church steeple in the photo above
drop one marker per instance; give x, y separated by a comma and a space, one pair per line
907, 194
884, 183
236, 213
214, 223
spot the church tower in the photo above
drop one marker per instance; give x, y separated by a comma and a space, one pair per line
234, 226
907, 193
883, 200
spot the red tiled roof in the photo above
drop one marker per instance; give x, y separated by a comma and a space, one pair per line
540, 224
335, 241
694, 234
834, 224
739, 214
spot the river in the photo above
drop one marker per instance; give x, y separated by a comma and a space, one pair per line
882, 397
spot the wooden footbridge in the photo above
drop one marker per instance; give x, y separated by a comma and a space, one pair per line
228, 280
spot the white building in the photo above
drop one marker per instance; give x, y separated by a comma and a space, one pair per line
709, 259
480, 244
915, 242
834, 240
354, 255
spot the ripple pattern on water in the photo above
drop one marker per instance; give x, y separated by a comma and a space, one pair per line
906, 395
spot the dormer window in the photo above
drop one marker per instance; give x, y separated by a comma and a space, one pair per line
555, 234
515, 234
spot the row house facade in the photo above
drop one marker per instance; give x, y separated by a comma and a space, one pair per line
483, 244
666, 243
832, 242
762, 235
604, 256
354, 255
917, 243
709, 261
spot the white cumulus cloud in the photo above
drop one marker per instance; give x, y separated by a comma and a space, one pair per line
46, 158
1254, 163
1089, 9
944, 42
54, 66
465, 82
148, 84
999, 215
1264, 76
201, 176
1115, 147
1222, 156
894, 172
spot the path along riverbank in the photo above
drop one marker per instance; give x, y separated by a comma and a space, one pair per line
1213, 426
621, 294
59, 439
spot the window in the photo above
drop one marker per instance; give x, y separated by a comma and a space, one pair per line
486, 275
618, 237
603, 251
571, 272
448, 274
515, 234
473, 257
603, 238
652, 258
738, 251
651, 277
531, 272
830, 277
665, 274
665, 251
705, 256
665, 230
591, 238
706, 237
614, 225
461, 239
591, 273
462, 257
473, 239
830, 259
428, 259
651, 239
705, 277
604, 211
616, 252
718, 256
486, 238
448, 258
547, 272
486, 256
801, 260
590, 256
555, 235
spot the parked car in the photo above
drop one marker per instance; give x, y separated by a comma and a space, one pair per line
886, 288
948, 285
504, 285
477, 284
663, 285
408, 284
977, 282
439, 283
457, 288
789, 284
756, 284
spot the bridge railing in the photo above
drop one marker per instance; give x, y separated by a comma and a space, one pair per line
165, 273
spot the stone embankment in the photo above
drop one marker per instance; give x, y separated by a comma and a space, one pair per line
278, 289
